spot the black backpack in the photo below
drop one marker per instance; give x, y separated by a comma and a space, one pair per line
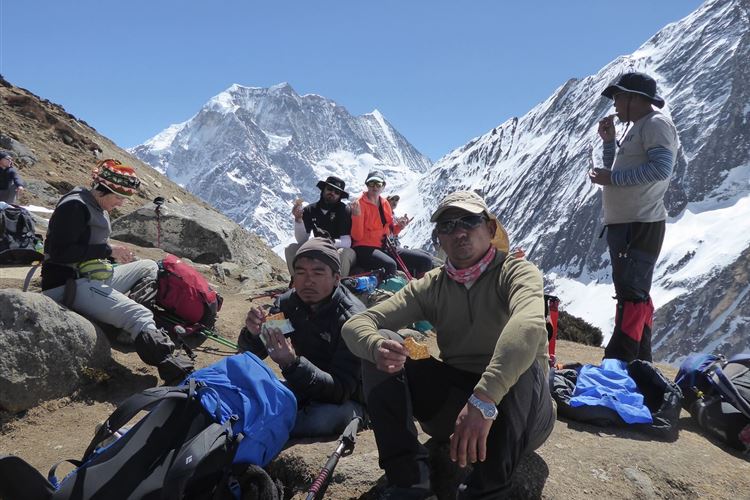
191, 445
176, 451
717, 395
19, 244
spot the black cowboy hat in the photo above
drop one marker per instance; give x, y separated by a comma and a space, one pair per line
335, 183
636, 83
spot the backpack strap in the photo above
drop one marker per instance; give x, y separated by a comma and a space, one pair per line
134, 404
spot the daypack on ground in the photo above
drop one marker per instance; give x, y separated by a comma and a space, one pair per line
717, 395
184, 292
18, 241
661, 396
233, 412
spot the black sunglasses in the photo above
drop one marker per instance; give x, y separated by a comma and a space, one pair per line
467, 222
375, 184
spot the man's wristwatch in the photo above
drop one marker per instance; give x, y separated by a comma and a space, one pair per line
488, 410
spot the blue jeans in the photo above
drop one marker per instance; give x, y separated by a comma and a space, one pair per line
325, 419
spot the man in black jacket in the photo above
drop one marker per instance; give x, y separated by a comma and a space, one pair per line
316, 364
328, 217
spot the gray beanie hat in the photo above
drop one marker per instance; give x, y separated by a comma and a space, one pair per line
321, 249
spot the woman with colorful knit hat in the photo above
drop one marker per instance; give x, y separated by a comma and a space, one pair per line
77, 270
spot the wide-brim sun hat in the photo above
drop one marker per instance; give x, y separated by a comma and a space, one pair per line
635, 83
118, 178
336, 183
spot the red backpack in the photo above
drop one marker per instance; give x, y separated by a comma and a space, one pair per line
184, 292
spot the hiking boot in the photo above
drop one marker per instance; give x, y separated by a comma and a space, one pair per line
409, 493
174, 370
124, 338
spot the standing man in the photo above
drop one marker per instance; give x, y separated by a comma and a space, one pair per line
77, 270
316, 364
328, 217
635, 179
10, 181
488, 394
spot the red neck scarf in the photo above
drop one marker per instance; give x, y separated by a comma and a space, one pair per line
470, 274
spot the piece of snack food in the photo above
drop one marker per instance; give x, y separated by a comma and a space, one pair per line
416, 350
276, 321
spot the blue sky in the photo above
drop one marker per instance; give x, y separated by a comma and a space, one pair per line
441, 72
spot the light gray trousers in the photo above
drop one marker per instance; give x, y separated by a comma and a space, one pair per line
106, 302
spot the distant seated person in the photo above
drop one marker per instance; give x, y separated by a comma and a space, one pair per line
328, 217
78, 272
393, 202
372, 223
316, 364
10, 180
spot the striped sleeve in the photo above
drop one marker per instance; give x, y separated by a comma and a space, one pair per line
608, 153
658, 168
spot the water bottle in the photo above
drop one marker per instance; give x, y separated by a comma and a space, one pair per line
361, 284
39, 246
366, 284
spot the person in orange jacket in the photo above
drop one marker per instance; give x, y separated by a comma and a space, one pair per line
372, 220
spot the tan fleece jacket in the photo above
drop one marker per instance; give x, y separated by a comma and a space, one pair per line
496, 328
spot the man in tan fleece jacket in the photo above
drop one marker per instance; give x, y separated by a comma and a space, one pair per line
488, 394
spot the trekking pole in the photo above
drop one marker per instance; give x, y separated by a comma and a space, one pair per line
391, 248
210, 334
158, 201
344, 448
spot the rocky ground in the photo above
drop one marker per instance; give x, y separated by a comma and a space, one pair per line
577, 461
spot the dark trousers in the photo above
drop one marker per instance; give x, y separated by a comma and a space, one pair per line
434, 393
633, 250
417, 262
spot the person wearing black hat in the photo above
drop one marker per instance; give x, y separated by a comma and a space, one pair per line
635, 178
328, 217
10, 181
316, 364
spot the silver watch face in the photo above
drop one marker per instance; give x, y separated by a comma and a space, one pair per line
488, 409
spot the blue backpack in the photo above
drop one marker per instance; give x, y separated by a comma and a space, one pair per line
717, 395
233, 412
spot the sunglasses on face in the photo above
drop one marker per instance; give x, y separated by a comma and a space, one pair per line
375, 184
468, 222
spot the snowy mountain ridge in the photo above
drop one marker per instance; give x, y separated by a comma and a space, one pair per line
252, 151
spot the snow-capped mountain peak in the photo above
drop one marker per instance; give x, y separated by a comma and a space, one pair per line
251, 151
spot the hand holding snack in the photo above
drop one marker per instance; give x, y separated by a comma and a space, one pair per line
254, 319
607, 128
297, 209
390, 356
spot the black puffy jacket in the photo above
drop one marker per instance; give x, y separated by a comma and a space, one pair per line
327, 371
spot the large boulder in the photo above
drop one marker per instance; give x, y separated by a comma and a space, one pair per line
44, 349
201, 235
